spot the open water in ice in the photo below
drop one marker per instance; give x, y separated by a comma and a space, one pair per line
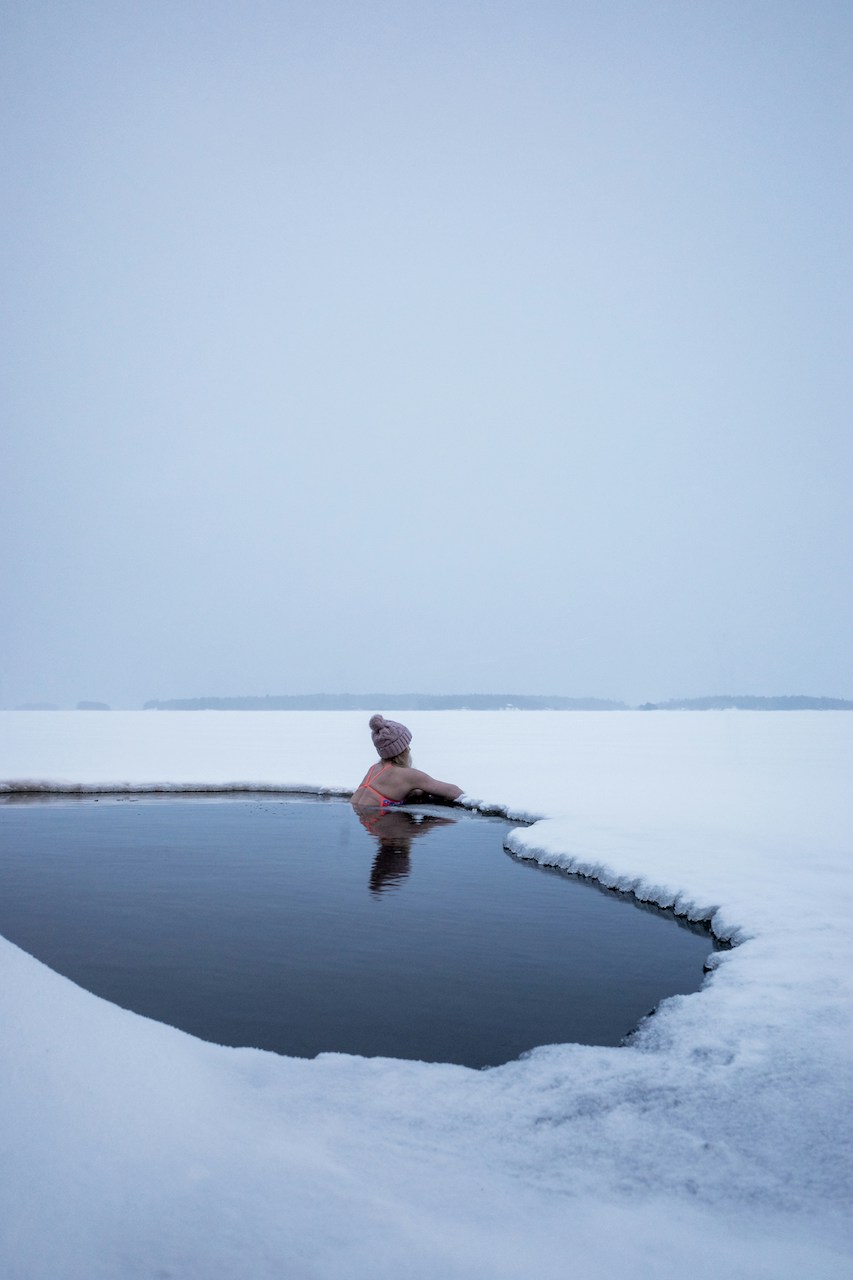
287, 924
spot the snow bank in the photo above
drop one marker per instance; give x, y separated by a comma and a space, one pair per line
718, 1142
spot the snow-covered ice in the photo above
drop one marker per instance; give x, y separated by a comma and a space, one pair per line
718, 1143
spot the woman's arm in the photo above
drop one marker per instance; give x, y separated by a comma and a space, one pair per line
417, 780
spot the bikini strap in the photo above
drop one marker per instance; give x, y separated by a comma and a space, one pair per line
371, 776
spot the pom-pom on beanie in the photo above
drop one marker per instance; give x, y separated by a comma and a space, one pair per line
389, 737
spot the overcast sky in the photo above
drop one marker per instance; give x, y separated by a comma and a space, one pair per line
425, 346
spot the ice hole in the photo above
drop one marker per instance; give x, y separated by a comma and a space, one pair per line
286, 923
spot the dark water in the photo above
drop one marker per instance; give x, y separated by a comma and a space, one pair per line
287, 925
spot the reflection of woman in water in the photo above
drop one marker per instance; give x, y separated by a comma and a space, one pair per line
392, 780
394, 830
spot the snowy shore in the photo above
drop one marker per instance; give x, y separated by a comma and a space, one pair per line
718, 1142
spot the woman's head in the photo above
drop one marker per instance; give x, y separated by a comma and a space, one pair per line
390, 738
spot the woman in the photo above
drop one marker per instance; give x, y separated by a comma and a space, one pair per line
392, 780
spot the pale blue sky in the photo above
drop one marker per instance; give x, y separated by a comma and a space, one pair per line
437, 347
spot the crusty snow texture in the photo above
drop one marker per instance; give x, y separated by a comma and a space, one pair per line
717, 1144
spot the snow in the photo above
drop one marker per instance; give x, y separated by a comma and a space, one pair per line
718, 1142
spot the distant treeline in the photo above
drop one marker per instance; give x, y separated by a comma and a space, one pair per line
388, 702
52, 706
747, 702
465, 702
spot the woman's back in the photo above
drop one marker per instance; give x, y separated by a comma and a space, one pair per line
386, 783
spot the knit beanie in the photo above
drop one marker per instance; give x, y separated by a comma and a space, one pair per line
389, 737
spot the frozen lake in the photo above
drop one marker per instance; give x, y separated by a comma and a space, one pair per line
720, 1136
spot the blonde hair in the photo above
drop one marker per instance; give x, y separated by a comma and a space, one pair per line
404, 759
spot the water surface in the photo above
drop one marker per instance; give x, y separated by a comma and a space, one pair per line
289, 925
